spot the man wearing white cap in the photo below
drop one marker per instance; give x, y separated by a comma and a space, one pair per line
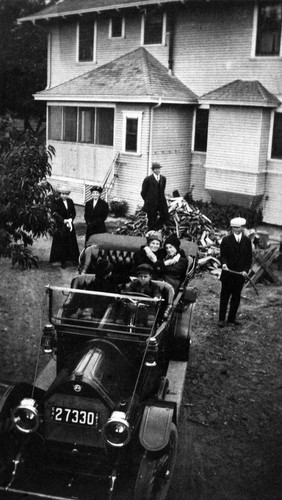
236, 260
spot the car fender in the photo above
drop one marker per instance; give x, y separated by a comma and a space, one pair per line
12, 394
155, 426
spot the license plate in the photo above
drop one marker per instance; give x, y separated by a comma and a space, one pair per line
74, 416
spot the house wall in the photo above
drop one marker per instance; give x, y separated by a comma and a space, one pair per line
63, 64
231, 164
213, 47
172, 126
272, 206
133, 167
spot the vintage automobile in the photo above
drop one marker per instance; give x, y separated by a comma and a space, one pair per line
100, 420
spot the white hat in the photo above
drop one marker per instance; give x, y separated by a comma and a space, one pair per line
238, 222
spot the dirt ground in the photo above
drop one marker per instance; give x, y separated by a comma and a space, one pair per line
230, 445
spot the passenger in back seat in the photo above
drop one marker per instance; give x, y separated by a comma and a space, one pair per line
175, 263
151, 254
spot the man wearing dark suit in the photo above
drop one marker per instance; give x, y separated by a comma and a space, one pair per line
235, 255
96, 212
153, 194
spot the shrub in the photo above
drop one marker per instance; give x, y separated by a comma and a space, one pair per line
119, 208
220, 215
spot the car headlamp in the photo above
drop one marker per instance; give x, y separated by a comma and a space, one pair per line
25, 416
116, 431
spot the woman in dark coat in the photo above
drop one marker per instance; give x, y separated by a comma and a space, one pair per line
64, 246
175, 263
151, 254
96, 212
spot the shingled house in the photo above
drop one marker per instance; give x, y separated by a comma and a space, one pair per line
195, 85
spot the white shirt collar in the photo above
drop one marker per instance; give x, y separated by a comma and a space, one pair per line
157, 177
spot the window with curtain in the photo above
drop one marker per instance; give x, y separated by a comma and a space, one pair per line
86, 125
86, 40
55, 123
94, 125
269, 30
70, 124
153, 28
105, 126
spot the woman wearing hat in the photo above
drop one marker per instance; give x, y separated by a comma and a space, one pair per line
174, 263
151, 254
96, 212
64, 246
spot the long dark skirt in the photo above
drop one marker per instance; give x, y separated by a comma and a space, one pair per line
64, 247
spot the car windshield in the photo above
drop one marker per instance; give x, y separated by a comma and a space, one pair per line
100, 312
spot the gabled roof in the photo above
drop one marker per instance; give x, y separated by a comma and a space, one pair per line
64, 8
134, 77
241, 93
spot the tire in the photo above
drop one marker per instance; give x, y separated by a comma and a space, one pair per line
156, 470
181, 337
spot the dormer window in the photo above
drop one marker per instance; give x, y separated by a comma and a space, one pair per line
268, 36
85, 40
153, 28
117, 27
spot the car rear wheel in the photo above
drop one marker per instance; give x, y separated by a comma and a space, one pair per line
156, 470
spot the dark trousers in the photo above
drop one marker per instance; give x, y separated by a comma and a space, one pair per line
157, 218
230, 291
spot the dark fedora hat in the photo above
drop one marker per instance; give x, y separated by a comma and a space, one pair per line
103, 267
96, 188
156, 165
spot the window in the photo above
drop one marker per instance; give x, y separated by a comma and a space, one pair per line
116, 27
276, 151
201, 130
69, 124
94, 125
85, 41
86, 125
55, 123
268, 41
105, 126
153, 27
132, 132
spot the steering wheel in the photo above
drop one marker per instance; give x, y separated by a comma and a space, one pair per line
136, 294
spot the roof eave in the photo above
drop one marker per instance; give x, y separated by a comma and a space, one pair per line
259, 104
56, 15
114, 99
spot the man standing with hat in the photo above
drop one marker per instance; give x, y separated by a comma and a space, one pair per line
96, 212
236, 260
64, 246
153, 194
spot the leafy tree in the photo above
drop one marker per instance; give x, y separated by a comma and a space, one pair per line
23, 60
25, 195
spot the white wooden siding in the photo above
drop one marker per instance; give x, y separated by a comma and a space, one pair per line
172, 132
213, 47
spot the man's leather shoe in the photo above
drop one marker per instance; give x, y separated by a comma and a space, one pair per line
221, 324
234, 323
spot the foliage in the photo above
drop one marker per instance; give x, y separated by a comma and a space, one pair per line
25, 195
23, 60
220, 215
119, 208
